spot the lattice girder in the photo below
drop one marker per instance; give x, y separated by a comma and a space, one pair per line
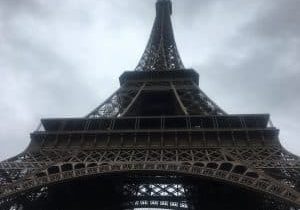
117, 102
158, 122
191, 99
159, 192
161, 53
212, 163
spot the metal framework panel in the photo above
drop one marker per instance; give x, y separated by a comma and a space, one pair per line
157, 142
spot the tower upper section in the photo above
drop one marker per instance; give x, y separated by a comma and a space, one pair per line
159, 86
161, 53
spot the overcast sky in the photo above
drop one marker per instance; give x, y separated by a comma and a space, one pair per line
63, 58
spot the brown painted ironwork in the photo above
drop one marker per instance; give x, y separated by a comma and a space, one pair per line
157, 142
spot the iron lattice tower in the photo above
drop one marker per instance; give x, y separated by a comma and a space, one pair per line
157, 142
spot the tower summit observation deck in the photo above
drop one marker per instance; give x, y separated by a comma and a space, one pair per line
157, 142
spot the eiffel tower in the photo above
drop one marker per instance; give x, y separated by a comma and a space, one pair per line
157, 142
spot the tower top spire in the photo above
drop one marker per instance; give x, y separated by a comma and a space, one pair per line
162, 5
161, 53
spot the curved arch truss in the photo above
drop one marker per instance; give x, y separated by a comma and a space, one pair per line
228, 171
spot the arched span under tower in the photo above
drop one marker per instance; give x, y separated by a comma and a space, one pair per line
157, 142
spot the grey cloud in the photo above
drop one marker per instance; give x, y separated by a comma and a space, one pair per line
246, 54
12, 9
257, 69
280, 20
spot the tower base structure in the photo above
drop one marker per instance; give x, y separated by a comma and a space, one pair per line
157, 142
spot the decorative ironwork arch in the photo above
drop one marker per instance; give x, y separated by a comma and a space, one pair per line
233, 173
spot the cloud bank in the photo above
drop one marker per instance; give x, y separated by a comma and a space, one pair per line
63, 58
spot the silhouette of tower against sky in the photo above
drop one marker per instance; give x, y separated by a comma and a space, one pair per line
157, 142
